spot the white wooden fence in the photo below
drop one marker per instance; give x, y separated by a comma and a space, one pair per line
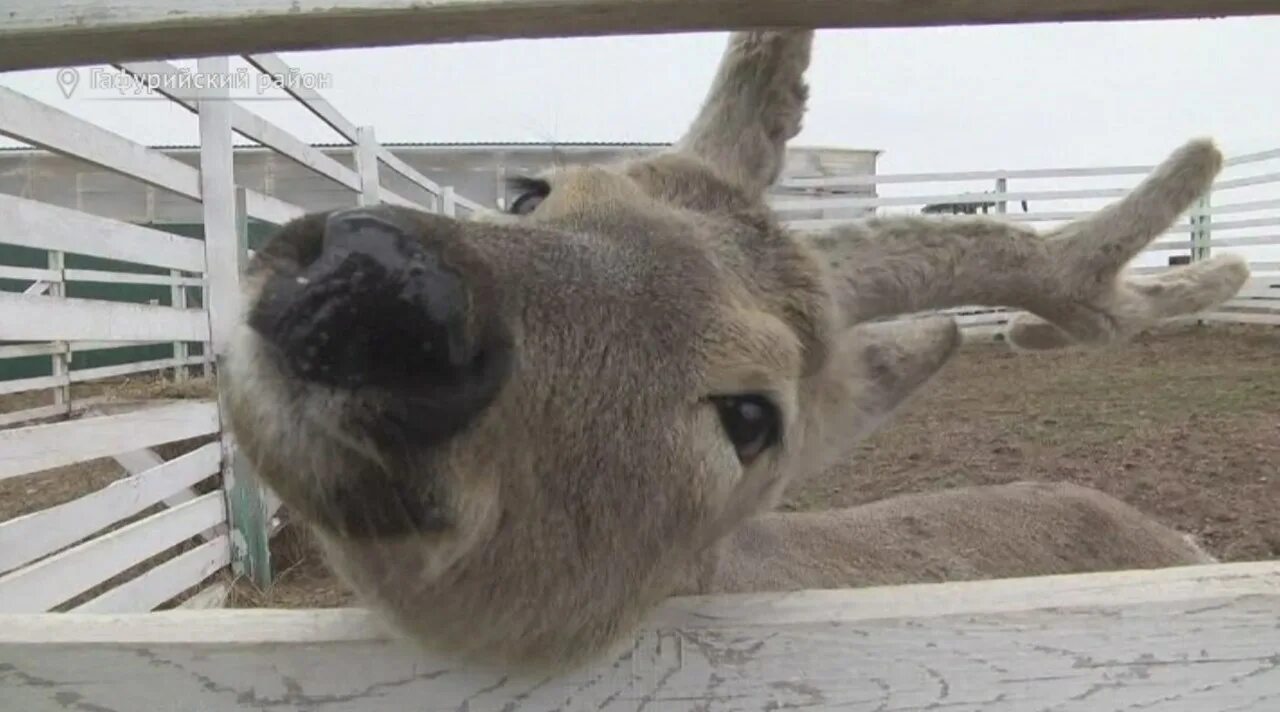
1194, 638
1241, 215
62, 556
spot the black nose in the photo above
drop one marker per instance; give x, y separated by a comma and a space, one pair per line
375, 308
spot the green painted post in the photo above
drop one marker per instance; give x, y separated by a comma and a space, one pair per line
246, 500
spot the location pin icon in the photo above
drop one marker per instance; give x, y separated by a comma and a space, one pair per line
68, 78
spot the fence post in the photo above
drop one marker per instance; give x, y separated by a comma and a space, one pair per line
1200, 228
61, 359
1002, 187
226, 250
367, 165
448, 206
178, 300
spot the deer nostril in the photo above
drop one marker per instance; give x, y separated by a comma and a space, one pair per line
375, 308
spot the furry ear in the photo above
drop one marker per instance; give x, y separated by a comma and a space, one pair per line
874, 369
755, 105
1070, 278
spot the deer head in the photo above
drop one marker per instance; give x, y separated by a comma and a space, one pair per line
512, 434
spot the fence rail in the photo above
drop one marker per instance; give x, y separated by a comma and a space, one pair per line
1187, 638
39, 34
1241, 214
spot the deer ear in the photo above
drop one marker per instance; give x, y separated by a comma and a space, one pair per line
873, 370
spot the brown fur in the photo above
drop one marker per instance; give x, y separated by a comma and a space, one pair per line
600, 475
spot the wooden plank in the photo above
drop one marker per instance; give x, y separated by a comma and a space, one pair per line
39, 34
63, 576
226, 252
39, 318
1197, 639
214, 596
1253, 157
162, 583
366, 150
38, 534
1266, 319
92, 374
790, 204
41, 125
25, 416
29, 273
138, 462
408, 172
272, 65
104, 277
269, 209
1246, 206
952, 176
40, 447
1244, 241
1262, 179
30, 223
37, 383
246, 123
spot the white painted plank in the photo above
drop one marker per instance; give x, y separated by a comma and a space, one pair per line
139, 462
407, 171
40, 447
1262, 179
1267, 319
38, 534
214, 596
63, 576
366, 153
18, 417
39, 124
1253, 157
1245, 241
247, 124
104, 277
31, 223
274, 66
1200, 638
37, 383
792, 204
41, 34
29, 274
1245, 207
953, 176
26, 416
92, 374
269, 209
25, 350
162, 583
39, 318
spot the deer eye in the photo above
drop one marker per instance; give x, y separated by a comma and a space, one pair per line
531, 192
750, 422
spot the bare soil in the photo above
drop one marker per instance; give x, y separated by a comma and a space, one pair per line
1184, 424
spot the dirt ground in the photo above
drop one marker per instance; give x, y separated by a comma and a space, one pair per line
1183, 424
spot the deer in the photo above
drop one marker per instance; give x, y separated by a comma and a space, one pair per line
516, 435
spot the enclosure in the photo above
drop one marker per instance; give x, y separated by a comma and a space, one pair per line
89, 299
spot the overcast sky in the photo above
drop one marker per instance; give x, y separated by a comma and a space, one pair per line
931, 99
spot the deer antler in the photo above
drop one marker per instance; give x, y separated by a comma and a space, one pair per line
1071, 278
